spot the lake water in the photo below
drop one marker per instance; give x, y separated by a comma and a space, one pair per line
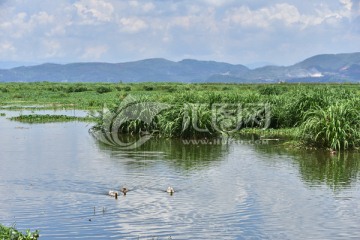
55, 178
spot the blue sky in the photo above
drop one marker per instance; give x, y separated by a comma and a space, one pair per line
240, 32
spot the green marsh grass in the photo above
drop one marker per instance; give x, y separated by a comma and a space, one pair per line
11, 233
335, 127
47, 118
291, 105
186, 121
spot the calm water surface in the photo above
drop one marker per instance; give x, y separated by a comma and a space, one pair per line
55, 178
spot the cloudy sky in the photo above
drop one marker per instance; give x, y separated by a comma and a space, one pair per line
237, 31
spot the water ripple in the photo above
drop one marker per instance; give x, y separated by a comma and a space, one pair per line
59, 185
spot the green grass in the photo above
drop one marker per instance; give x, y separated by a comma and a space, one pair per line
293, 106
36, 118
335, 127
10, 233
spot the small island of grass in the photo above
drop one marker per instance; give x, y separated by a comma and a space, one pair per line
47, 118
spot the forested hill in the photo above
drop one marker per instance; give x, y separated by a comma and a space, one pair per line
319, 68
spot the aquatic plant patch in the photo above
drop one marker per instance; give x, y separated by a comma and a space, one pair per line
37, 118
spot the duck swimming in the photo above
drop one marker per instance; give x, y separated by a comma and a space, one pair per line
124, 190
113, 194
170, 190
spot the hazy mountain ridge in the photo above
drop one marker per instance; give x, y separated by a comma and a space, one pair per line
319, 68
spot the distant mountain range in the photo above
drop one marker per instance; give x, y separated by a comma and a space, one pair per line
320, 68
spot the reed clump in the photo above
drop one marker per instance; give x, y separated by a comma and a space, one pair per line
335, 127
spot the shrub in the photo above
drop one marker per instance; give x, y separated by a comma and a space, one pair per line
70, 89
4, 90
336, 127
126, 89
79, 88
103, 89
76, 88
270, 90
148, 88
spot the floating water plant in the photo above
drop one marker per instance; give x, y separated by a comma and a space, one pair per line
36, 118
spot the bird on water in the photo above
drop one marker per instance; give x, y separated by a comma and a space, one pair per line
170, 190
113, 194
124, 190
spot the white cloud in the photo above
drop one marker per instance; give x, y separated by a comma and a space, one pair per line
41, 18
351, 8
134, 3
17, 26
347, 4
94, 52
22, 24
355, 7
218, 3
132, 24
197, 21
284, 13
182, 21
94, 11
58, 30
51, 47
145, 7
6, 48
226, 30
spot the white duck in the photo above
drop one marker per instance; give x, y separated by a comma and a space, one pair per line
113, 194
170, 190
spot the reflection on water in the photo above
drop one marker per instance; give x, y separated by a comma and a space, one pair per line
55, 178
336, 171
316, 168
175, 152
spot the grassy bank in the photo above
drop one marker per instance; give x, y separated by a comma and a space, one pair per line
47, 118
315, 115
10, 233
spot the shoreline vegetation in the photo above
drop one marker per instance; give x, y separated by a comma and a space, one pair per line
47, 118
13, 234
314, 116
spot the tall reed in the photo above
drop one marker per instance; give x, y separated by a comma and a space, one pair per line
336, 127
